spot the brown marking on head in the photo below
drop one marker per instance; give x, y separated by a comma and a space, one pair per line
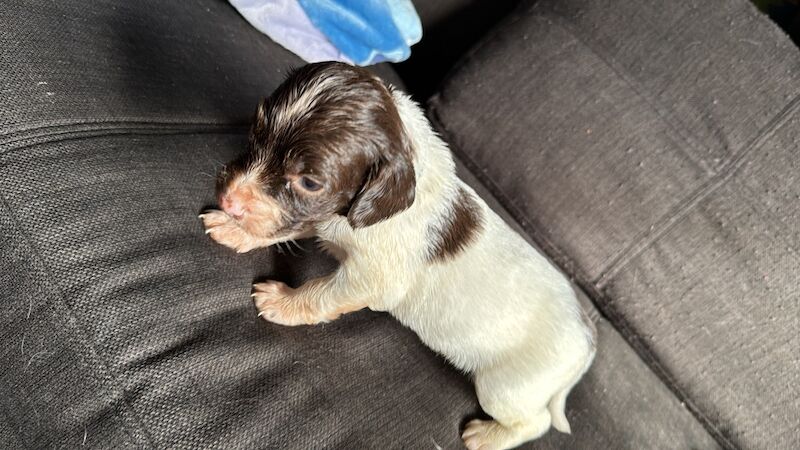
459, 230
328, 141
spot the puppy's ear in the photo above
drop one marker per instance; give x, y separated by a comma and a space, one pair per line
388, 189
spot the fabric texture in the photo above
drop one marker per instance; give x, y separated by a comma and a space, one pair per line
646, 146
126, 327
285, 22
67, 68
367, 32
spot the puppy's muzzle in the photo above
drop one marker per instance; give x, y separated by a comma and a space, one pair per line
232, 205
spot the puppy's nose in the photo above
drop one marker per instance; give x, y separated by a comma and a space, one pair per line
231, 205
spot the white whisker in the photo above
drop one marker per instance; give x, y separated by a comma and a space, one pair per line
300, 247
289, 248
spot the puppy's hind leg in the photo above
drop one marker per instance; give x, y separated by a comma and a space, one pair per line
516, 393
492, 435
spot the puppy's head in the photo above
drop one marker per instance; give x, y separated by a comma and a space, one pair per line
328, 141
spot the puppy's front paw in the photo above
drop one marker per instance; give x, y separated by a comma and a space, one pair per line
277, 303
223, 229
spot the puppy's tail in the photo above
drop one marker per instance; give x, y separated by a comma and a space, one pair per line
556, 406
558, 403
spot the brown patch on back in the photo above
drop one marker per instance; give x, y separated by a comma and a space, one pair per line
459, 231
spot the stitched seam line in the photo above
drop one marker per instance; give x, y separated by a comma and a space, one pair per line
78, 334
645, 239
13, 140
598, 298
683, 208
58, 134
62, 133
125, 121
663, 112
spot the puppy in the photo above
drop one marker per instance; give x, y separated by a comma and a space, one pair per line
337, 154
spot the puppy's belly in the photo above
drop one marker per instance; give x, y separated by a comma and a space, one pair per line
484, 306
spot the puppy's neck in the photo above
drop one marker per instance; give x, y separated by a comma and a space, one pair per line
434, 167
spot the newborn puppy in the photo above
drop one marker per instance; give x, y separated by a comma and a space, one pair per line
337, 154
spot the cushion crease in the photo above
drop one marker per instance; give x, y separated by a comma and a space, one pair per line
597, 297
665, 223
53, 132
70, 322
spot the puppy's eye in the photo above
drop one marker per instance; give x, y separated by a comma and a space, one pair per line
309, 184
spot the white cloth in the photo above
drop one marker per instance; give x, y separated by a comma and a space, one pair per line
285, 22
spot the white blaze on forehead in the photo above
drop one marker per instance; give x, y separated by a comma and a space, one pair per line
253, 174
302, 101
245, 178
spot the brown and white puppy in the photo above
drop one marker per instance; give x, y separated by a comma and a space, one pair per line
335, 153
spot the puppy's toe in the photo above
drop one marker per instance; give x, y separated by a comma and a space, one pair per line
483, 435
269, 292
224, 230
276, 303
214, 218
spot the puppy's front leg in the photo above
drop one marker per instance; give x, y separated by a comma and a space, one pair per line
319, 300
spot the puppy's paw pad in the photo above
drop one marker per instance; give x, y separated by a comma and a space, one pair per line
484, 435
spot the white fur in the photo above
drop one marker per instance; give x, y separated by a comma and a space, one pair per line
498, 309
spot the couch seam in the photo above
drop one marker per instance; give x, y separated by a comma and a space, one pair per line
58, 297
525, 8
669, 220
54, 133
145, 128
121, 120
598, 298
664, 113
718, 176
79, 333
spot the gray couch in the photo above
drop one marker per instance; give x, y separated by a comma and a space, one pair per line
649, 148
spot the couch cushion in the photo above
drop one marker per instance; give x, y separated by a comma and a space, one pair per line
620, 402
126, 326
66, 67
646, 146
125, 323
451, 28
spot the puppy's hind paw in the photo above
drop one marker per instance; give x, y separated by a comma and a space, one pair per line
491, 435
488, 435
478, 435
